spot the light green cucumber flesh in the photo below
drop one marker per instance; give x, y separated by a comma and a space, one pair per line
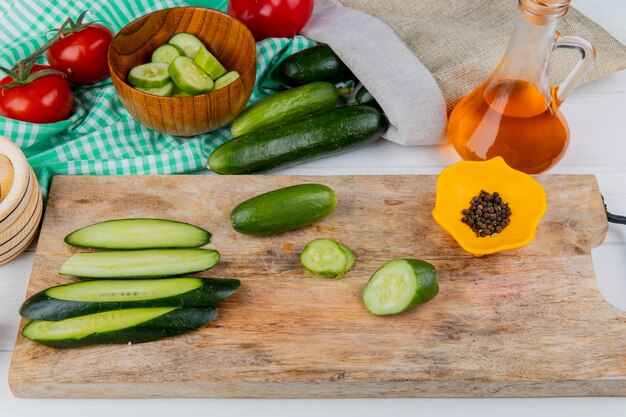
166, 53
165, 91
226, 79
188, 43
207, 61
151, 75
139, 234
189, 77
139, 263
179, 93
79, 327
324, 257
349, 254
126, 290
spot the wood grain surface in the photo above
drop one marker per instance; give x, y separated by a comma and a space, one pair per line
528, 322
6, 176
227, 38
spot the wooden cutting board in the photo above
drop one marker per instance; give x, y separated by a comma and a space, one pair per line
528, 322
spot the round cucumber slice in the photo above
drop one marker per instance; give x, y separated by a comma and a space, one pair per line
149, 75
349, 255
209, 64
189, 77
179, 93
325, 257
188, 43
400, 285
226, 79
166, 53
165, 91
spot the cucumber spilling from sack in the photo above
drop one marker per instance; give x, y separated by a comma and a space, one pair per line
400, 285
89, 297
318, 63
136, 325
327, 258
139, 234
331, 132
287, 106
283, 210
149, 263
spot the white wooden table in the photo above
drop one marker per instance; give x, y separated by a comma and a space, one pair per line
596, 113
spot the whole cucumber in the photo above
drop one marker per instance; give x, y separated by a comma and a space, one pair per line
283, 210
364, 98
334, 131
318, 63
287, 106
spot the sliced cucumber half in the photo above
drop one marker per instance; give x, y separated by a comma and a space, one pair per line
226, 79
189, 77
400, 285
188, 43
166, 53
151, 75
165, 91
327, 258
209, 63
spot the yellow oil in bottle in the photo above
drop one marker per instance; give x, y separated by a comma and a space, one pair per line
513, 119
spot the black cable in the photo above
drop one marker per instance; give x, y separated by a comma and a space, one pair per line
613, 218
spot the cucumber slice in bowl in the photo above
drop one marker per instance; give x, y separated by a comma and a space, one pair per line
189, 77
166, 53
89, 297
165, 91
400, 285
209, 63
136, 325
151, 75
188, 43
226, 79
327, 258
149, 263
139, 234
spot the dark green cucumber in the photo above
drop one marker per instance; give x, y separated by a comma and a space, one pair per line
88, 297
364, 98
136, 325
318, 63
149, 263
139, 234
283, 210
331, 132
287, 106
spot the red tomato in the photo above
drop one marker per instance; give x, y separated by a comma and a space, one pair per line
272, 18
82, 55
47, 99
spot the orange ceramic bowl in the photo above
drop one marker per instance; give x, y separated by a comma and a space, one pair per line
227, 38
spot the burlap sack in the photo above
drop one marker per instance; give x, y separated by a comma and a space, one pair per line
461, 41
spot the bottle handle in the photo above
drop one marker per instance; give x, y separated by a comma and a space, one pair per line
587, 60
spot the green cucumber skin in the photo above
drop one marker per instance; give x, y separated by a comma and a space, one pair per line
426, 278
42, 307
81, 237
327, 133
364, 98
286, 106
174, 323
283, 210
318, 63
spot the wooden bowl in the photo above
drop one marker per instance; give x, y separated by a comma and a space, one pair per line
21, 205
227, 38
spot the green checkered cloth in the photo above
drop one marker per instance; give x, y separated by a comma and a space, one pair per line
101, 138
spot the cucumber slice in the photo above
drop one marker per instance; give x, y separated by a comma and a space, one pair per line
189, 77
179, 93
400, 285
327, 258
209, 64
149, 75
139, 234
166, 53
150, 263
137, 325
88, 297
165, 91
226, 79
188, 43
